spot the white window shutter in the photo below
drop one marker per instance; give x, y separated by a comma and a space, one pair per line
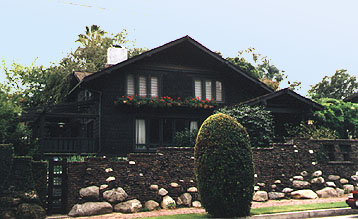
208, 90
154, 87
197, 88
219, 91
140, 131
130, 85
142, 86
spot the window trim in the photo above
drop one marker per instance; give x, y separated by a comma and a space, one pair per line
213, 89
148, 79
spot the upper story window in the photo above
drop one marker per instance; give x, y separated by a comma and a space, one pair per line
208, 89
143, 86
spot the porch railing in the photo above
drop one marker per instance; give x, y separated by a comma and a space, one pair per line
70, 145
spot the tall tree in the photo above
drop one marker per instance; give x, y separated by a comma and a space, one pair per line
261, 68
338, 86
38, 86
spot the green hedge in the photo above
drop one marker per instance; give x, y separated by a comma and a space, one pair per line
224, 167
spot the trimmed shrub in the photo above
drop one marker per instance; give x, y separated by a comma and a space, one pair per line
224, 167
256, 119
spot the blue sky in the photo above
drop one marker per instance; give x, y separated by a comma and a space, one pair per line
307, 39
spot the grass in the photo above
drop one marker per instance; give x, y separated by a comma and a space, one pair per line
266, 210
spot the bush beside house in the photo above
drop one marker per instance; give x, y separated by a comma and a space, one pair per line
224, 167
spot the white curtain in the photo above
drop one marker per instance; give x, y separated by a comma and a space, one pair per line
154, 87
208, 93
140, 131
219, 91
130, 85
193, 125
198, 88
142, 86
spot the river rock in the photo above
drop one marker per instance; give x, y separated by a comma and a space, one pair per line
333, 177
90, 208
327, 192
154, 187
343, 181
340, 192
287, 190
115, 195
298, 184
354, 177
260, 196
304, 194
168, 202
304, 173
317, 173
196, 204
131, 206
186, 199
151, 205
90, 193
348, 188
317, 180
276, 195
298, 178
192, 190
162, 192
331, 184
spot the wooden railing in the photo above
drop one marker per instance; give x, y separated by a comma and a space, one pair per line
69, 145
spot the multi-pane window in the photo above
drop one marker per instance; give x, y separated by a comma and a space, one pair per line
154, 87
208, 89
219, 91
143, 86
130, 85
198, 90
140, 132
154, 132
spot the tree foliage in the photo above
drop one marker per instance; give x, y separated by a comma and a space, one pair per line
338, 86
256, 119
224, 167
12, 131
261, 68
39, 86
339, 116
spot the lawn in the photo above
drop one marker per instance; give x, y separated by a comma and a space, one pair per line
266, 210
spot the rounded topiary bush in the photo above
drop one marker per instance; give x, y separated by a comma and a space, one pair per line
224, 167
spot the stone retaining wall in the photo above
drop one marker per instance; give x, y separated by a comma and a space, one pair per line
275, 169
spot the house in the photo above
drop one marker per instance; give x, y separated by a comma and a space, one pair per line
138, 104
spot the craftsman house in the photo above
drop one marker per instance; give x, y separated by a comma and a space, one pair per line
138, 104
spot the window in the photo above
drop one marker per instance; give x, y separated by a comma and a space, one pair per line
219, 91
198, 89
144, 86
130, 85
140, 131
155, 132
154, 87
208, 89
193, 125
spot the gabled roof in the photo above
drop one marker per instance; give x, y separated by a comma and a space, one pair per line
81, 75
167, 46
266, 98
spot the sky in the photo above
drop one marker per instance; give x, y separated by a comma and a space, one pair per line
308, 39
